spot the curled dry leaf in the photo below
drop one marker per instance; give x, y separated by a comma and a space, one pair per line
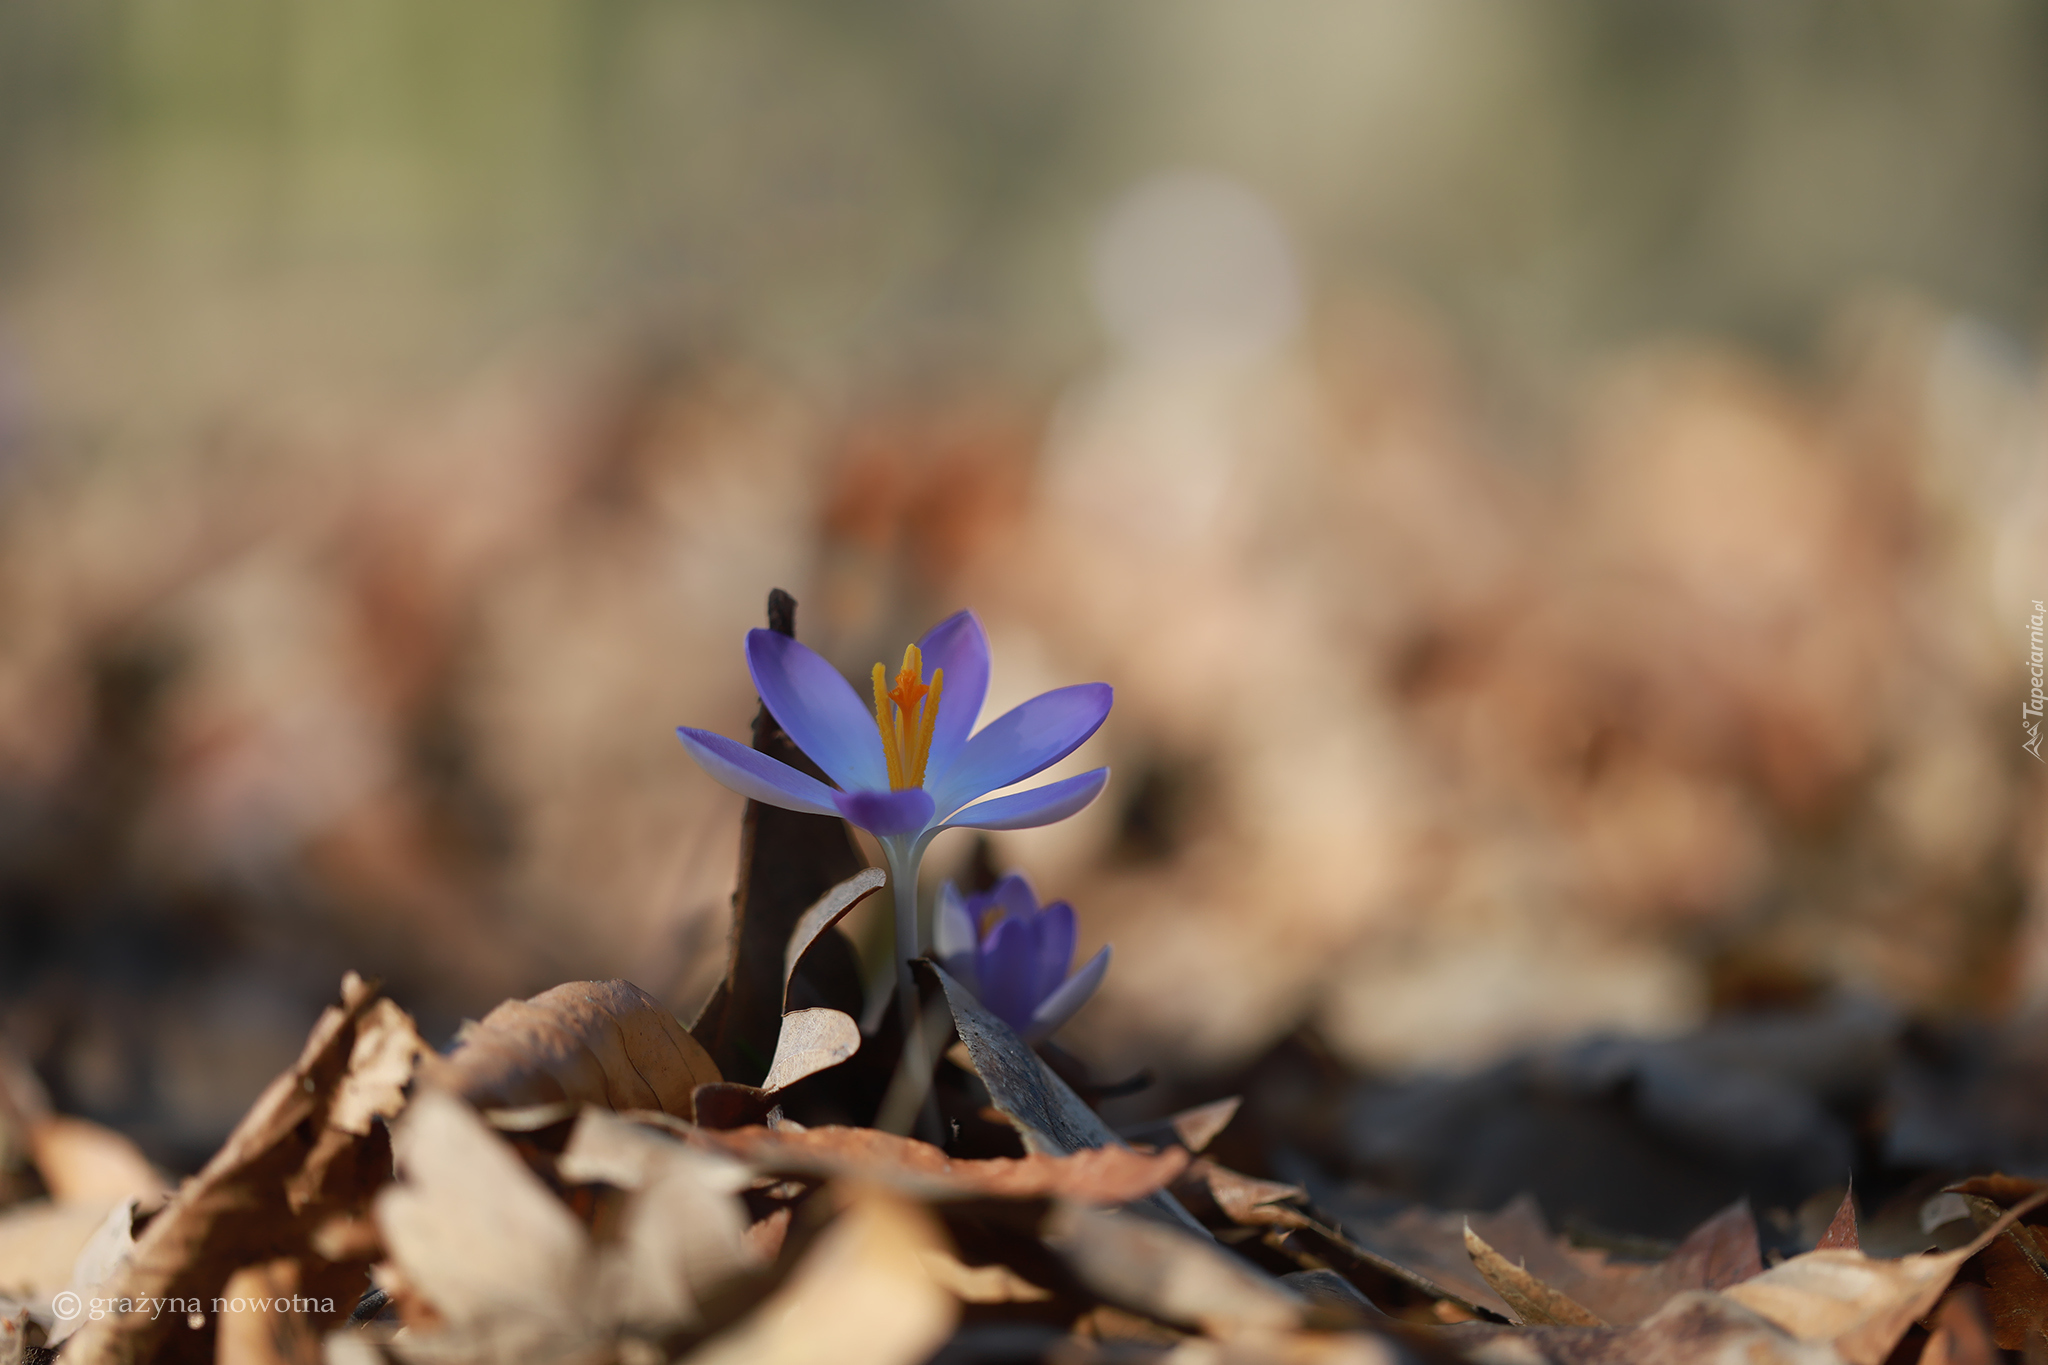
607, 1043
860, 1296
824, 913
811, 1041
1101, 1175
1859, 1305
1536, 1304
1243, 1199
789, 861
285, 1172
1048, 1115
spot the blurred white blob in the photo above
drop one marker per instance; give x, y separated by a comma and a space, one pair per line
1196, 284
1196, 264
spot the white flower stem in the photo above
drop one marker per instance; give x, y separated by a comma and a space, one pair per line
903, 858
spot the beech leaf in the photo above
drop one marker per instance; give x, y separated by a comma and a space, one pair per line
607, 1043
1535, 1303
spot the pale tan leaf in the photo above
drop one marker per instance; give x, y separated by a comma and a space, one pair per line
478, 1236
994, 1283
1156, 1269
284, 1171
811, 1041
259, 1323
83, 1162
1860, 1305
380, 1066
39, 1245
682, 1234
1197, 1128
1695, 1328
1096, 1175
1535, 1303
860, 1296
596, 1042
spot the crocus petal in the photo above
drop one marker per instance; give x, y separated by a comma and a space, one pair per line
1004, 963
885, 812
1056, 938
1045, 805
1021, 742
1012, 894
959, 645
754, 774
953, 935
818, 708
1073, 993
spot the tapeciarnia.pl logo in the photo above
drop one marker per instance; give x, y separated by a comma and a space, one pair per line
2030, 710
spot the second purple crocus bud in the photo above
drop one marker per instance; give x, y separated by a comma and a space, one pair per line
1014, 953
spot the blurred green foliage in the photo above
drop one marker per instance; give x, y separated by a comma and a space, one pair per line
895, 177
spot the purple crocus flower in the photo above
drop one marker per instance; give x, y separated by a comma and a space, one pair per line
914, 766
1014, 953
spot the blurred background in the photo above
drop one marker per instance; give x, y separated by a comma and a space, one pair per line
1559, 490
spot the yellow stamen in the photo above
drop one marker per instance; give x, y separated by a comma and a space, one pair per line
928, 721
892, 752
905, 716
990, 918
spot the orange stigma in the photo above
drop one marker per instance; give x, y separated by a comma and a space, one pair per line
905, 715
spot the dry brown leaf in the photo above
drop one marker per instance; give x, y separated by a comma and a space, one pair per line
283, 1173
682, 1234
594, 1042
260, 1324
503, 1263
789, 861
1536, 1304
1426, 1248
1860, 1305
1961, 1335
1048, 1115
1694, 1328
81, 1161
1250, 1201
2015, 1289
860, 1296
811, 1041
1156, 1269
1193, 1128
1096, 1175
1197, 1128
1841, 1233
